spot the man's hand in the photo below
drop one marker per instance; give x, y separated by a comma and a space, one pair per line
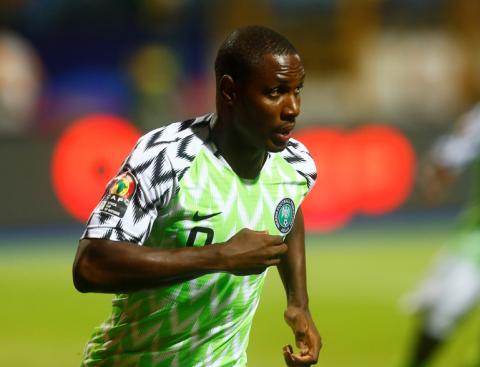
307, 338
251, 252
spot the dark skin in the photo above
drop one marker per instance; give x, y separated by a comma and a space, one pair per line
258, 115
434, 181
255, 116
297, 315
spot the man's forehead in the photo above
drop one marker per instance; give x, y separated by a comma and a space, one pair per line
281, 67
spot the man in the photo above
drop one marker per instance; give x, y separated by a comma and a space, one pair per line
452, 288
213, 202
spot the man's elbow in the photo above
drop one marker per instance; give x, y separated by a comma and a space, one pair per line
80, 281
83, 272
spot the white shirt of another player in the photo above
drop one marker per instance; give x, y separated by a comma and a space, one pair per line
457, 149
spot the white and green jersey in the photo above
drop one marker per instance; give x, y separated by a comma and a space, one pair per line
457, 151
176, 190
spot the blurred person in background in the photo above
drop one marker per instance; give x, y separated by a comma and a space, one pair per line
452, 287
20, 84
167, 236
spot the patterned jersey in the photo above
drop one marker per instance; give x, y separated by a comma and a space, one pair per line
176, 190
457, 151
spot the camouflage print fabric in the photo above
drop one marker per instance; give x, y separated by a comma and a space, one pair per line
183, 193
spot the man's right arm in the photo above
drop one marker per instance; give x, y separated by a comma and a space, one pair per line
118, 267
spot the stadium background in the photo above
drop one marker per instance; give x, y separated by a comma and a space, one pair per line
385, 77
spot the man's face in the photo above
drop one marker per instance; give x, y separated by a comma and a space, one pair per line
269, 102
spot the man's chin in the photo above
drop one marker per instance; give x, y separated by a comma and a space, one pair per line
276, 147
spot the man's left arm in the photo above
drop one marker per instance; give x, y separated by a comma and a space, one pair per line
297, 315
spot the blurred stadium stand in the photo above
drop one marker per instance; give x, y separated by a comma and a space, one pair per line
411, 64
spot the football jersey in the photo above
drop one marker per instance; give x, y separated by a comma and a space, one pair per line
457, 151
176, 190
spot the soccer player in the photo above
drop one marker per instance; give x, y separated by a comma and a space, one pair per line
198, 211
452, 288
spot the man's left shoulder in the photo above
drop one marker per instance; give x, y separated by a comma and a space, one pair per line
299, 157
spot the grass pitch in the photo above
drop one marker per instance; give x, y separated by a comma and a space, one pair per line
355, 279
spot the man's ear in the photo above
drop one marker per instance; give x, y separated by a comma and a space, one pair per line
227, 89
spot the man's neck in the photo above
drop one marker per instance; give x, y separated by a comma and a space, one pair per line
245, 160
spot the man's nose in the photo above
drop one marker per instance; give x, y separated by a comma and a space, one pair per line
291, 107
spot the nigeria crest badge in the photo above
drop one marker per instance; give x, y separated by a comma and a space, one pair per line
284, 215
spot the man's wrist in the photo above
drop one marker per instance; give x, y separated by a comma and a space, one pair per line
220, 257
298, 302
210, 258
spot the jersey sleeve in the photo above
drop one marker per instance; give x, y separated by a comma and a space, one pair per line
145, 183
462, 146
299, 157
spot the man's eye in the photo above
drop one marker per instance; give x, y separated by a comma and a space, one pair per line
275, 92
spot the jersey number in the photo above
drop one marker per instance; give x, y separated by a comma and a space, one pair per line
193, 235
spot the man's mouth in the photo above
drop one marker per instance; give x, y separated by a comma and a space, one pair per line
285, 129
284, 133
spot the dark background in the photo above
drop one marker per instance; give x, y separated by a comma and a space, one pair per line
409, 64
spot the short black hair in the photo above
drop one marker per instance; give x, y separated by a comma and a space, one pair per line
243, 49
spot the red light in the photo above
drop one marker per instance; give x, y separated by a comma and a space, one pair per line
369, 170
388, 161
329, 203
87, 155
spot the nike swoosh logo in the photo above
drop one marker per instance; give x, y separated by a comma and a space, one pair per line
197, 217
